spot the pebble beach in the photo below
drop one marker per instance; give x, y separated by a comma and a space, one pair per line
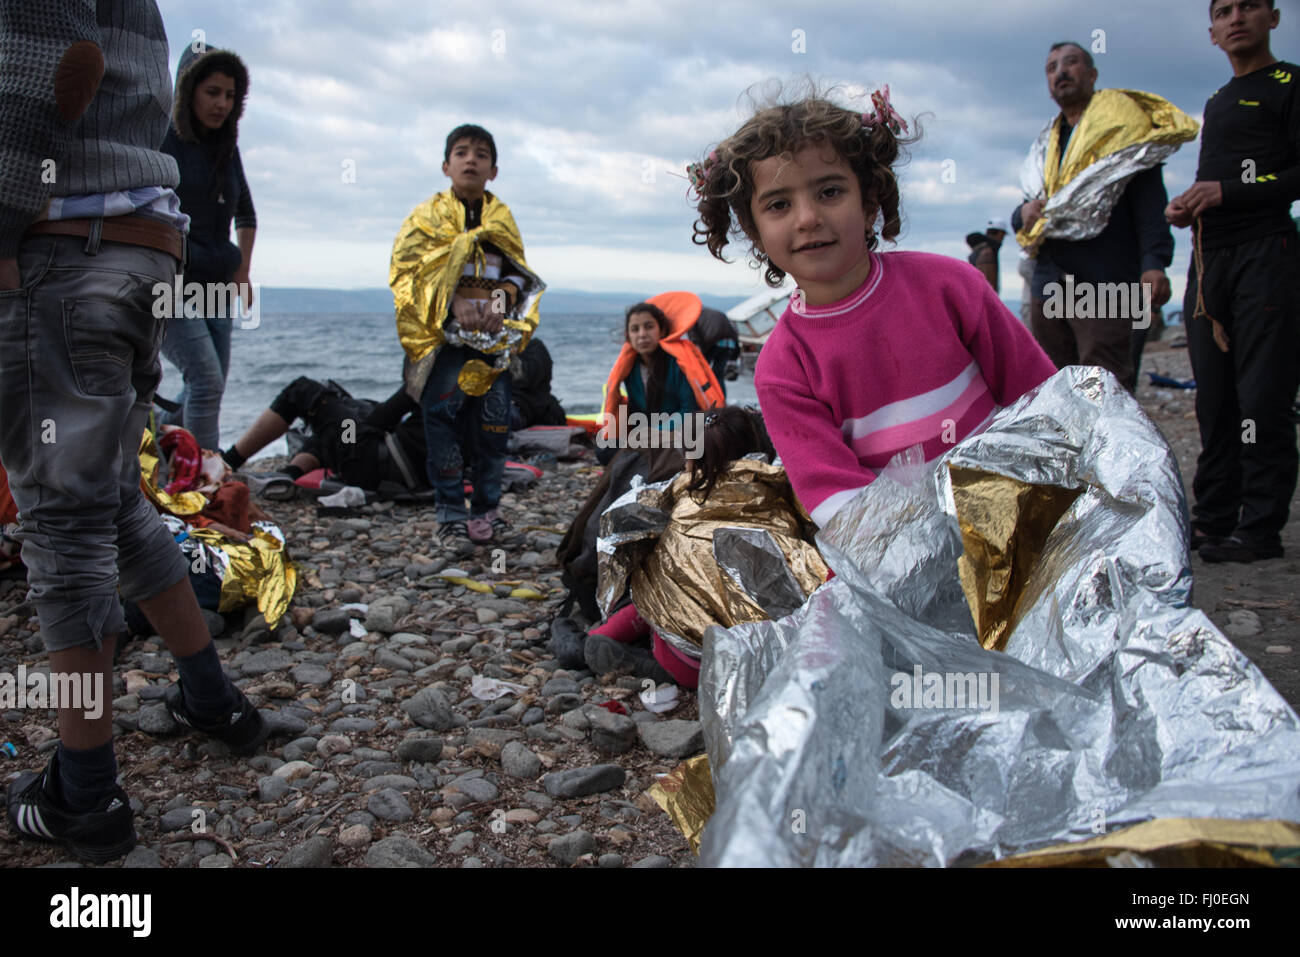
382, 755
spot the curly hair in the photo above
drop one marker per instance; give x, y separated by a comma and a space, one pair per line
783, 129
729, 433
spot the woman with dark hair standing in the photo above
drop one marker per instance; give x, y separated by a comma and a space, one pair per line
211, 86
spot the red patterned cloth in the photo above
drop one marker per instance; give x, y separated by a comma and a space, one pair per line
184, 460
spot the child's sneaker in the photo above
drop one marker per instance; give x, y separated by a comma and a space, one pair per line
502, 531
454, 537
242, 727
34, 810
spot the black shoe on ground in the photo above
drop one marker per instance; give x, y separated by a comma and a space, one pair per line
35, 810
604, 655
242, 727
1233, 549
454, 537
566, 644
1201, 539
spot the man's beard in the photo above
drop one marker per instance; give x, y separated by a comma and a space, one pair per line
1070, 96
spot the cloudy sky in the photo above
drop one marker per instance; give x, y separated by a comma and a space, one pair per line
596, 105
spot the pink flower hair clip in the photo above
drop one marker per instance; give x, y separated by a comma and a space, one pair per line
698, 173
883, 112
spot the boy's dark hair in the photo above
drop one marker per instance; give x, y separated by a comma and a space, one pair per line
1213, 2
475, 134
729, 433
728, 184
654, 390
1087, 57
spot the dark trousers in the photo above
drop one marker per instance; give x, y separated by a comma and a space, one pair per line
1104, 342
1246, 473
483, 422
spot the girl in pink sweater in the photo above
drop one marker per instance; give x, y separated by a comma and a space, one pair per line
878, 351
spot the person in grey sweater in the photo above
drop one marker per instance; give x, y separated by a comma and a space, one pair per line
90, 226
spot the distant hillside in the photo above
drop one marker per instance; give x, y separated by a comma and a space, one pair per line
297, 301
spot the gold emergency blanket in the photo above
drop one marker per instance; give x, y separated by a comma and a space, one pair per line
1004, 526
1121, 133
257, 570
429, 257
254, 571
738, 557
686, 795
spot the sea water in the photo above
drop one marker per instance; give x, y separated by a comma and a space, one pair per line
361, 353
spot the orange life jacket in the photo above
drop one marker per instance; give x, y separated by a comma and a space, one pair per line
682, 310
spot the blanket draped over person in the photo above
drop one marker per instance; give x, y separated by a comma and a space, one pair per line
430, 254
744, 554
1122, 132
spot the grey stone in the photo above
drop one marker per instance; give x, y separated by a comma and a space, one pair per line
178, 819
142, 856
389, 805
533, 716
490, 741
430, 709
216, 623
333, 744
331, 621
576, 719
560, 686
279, 724
400, 782
654, 860
156, 720
271, 788
519, 762
354, 725
311, 674
477, 789
393, 661
560, 703
673, 739
578, 782
399, 851
264, 662
610, 860
472, 863
383, 613
426, 749
567, 848
316, 851
612, 733
461, 842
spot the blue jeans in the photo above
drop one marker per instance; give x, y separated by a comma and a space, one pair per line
78, 369
200, 348
482, 422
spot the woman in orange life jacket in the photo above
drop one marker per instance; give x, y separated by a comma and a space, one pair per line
660, 370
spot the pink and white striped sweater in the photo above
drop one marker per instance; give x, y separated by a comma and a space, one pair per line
924, 351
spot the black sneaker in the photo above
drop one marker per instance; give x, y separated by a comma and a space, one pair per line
604, 656
34, 810
566, 644
1233, 549
502, 531
242, 727
1201, 539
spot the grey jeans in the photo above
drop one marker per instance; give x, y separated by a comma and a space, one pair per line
78, 368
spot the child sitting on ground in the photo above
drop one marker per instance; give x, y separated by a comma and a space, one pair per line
679, 590
466, 303
877, 352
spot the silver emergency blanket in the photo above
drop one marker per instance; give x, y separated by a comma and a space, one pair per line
1113, 703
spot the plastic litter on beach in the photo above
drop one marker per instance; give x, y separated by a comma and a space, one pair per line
489, 689
661, 699
356, 629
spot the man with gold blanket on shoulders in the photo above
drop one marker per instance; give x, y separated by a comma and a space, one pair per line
1094, 216
466, 304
